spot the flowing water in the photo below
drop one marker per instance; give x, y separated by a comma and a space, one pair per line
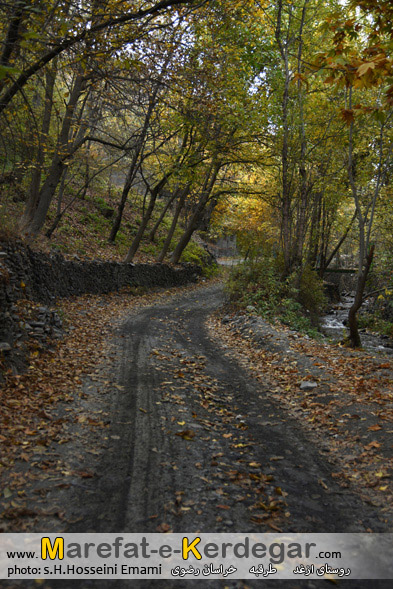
333, 325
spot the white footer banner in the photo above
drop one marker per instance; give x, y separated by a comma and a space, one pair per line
196, 556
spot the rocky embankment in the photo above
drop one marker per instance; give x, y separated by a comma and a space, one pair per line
31, 281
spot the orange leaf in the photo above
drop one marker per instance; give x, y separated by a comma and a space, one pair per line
374, 428
372, 445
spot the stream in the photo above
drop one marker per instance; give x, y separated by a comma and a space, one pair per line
333, 326
333, 323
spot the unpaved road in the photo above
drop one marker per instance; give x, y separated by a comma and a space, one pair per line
198, 445
187, 425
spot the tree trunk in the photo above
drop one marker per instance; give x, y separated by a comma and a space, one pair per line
286, 189
153, 232
208, 186
59, 212
364, 260
120, 209
57, 167
337, 248
286, 227
146, 218
186, 237
354, 337
34, 189
179, 207
207, 215
315, 228
135, 163
11, 43
301, 227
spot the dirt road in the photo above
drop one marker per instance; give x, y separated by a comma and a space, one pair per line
188, 423
196, 444
171, 433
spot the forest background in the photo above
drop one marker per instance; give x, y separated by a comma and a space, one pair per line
127, 127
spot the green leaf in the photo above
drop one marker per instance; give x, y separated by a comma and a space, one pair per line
6, 70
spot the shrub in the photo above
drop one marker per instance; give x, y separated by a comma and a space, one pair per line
310, 292
195, 254
297, 300
374, 322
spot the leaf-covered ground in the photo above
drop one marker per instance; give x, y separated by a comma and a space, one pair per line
215, 423
44, 415
195, 442
350, 410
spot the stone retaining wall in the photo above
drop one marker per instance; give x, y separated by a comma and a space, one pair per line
25, 273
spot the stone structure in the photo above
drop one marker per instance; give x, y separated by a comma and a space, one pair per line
27, 274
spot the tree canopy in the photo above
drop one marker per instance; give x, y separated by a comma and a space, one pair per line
268, 120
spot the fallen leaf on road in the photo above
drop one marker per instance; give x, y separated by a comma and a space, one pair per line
273, 526
374, 428
187, 434
164, 528
372, 445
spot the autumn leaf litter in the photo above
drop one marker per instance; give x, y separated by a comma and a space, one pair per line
348, 410
50, 438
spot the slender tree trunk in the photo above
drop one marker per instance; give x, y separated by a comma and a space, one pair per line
286, 189
210, 180
56, 170
13, 33
337, 248
136, 160
34, 189
186, 237
207, 215
354, 337
366, 253
124, 195
315, 231
87, 170
110, 184
286, 226
154, 195
323, 238
304, 188
153, 232
175, 220
146, 218
59, 212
